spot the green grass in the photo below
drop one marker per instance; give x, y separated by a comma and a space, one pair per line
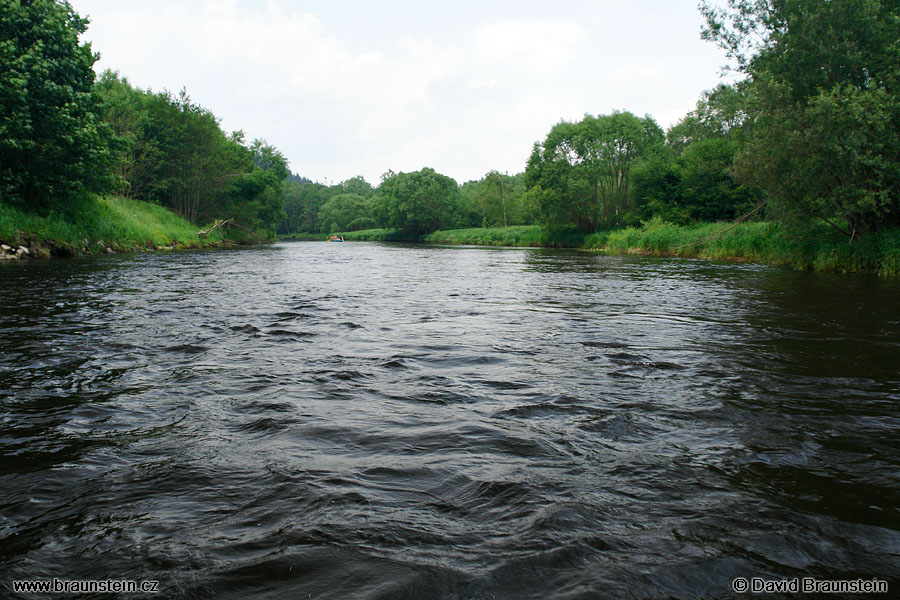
518, 235
376, 235
95, 224
817, 249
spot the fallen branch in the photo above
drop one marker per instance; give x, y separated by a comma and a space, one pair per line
218, 223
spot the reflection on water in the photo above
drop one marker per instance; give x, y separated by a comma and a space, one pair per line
374, 421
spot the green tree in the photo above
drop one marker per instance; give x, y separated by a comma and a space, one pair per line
302, 203
254, 204
357, 185
418, 202
720, 112
824, 112
269, 158
134, 154
708, 190
500, 199
495, 200
656, 188
471, 212
344, 212
197, 160
581, 173
693, 181
170, 151
53, 145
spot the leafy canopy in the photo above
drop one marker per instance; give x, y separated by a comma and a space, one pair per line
823, 135
580, 174
53, 146
344, 212
418, 202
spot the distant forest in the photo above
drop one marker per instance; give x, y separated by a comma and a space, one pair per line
809, 135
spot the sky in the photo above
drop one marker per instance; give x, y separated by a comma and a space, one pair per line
357, 88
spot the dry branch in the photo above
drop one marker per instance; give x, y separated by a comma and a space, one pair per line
218, 223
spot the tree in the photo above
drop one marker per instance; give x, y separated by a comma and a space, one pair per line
269, 158
53, 145
134, 155
302, 203
357, 185
471, 213
343, 212
581, 173
495, 200
253, 203
720, 112
418, 202
708, 191
693, 180
824, 112
656, 188
171, 151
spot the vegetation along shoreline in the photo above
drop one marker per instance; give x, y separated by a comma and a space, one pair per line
755, 242
114, 225
796, 163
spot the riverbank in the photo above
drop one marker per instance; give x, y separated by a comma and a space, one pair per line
517, 236
364, 235
819, 249
96, 226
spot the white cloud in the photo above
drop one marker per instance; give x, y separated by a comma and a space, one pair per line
532, 45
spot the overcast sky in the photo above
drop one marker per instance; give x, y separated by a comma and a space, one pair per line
357, 88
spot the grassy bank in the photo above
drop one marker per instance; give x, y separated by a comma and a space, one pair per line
378, 235
521, 235
98, 225
518, 235
818, 249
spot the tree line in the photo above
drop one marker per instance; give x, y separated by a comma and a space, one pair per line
809, 135
66, 134
416, 202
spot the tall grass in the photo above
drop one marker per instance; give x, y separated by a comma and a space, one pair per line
518, 235
747, 241
815, 249
377, 235
94, 224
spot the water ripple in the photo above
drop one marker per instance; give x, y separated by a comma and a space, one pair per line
455, 423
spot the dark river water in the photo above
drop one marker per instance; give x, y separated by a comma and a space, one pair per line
316, 420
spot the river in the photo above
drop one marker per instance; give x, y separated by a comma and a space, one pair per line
314, 420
